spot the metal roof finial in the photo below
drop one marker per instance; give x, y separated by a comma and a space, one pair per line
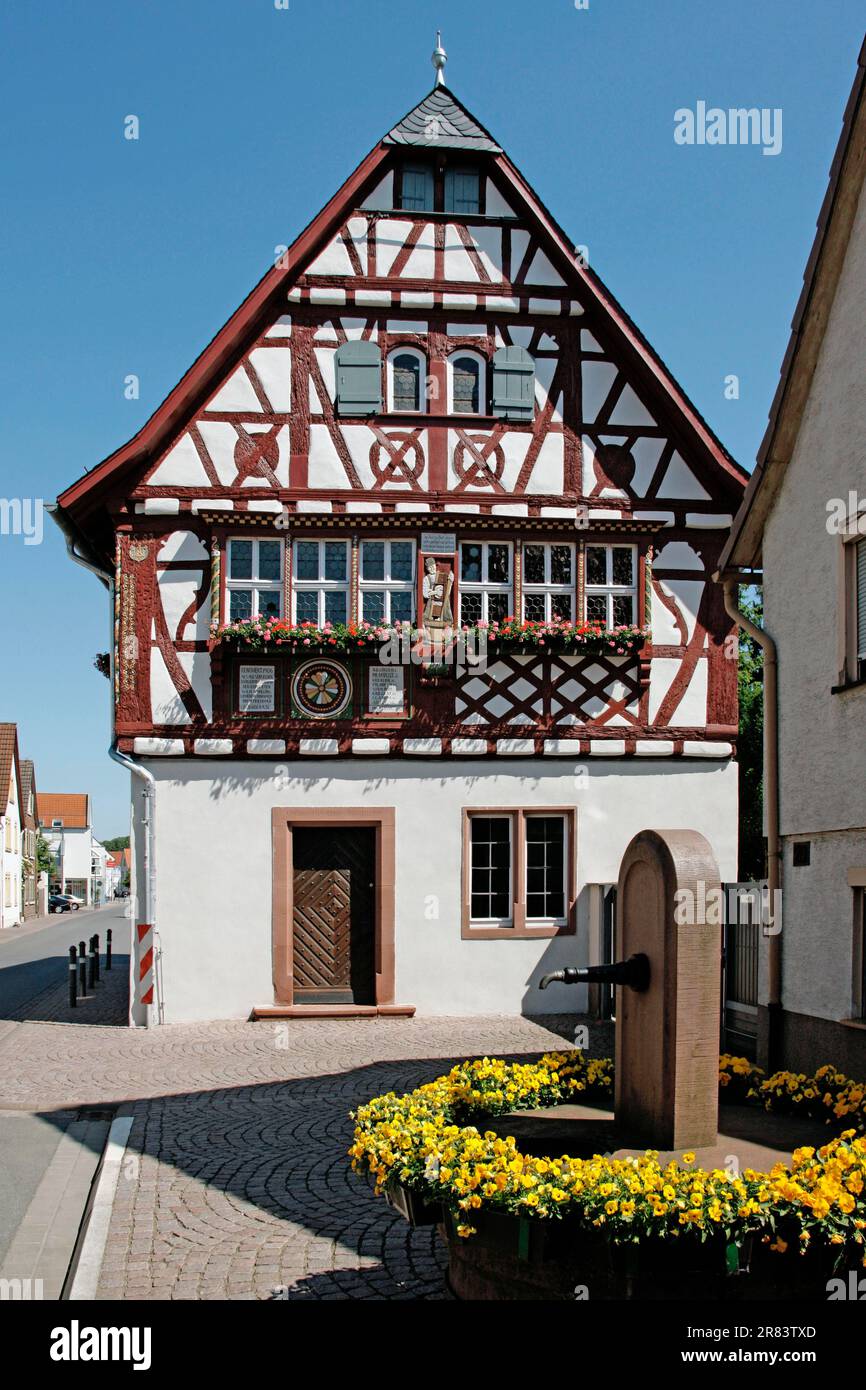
439, 59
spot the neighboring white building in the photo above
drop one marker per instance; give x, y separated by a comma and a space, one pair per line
113, 872
11, 823
803, 524
65, 821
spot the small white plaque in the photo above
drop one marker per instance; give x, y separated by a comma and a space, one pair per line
386, 690
256, 689
438, 542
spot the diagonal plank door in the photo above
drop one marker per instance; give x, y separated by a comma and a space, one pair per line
333, 915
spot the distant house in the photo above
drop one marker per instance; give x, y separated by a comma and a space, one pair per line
113, 872
11, 821
29, 833
65, 821
802, 526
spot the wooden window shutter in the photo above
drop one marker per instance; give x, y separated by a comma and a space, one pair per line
513, 384
359, 378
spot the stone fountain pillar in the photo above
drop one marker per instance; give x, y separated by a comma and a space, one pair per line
667, 1036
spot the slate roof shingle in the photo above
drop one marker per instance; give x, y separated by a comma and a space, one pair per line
440, 121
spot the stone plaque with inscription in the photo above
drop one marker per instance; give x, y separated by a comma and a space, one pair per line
256, 689
386, 690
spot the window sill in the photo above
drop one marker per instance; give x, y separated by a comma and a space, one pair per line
857, 1023
848, 685
472, 933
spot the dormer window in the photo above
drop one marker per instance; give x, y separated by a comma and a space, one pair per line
466, 384
456, 188
416, 190
406, 376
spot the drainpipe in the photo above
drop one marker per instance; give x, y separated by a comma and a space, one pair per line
730, 581
135, 768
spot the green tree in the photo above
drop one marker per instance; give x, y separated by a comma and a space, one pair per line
44, 857
750, 686
119, 842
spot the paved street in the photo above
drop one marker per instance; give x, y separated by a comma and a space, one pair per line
236, 1181
35, 957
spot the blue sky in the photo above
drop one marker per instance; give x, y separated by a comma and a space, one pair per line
126, 257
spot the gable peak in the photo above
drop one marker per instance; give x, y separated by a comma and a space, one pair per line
441, 121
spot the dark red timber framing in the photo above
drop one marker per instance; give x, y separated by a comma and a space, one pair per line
252, 442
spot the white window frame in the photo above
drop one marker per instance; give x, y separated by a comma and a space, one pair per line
562, 920
388, 586
419, 356
509, 818
321, 587
548, 588
485, 587
609, 589
482, 382
254, 584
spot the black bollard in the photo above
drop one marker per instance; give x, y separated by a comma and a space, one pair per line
73, 977
108, 949
82, 970
96, 955
92, 963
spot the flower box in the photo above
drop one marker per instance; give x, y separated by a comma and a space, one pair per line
412, 1206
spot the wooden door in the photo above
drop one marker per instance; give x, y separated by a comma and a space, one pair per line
333, 922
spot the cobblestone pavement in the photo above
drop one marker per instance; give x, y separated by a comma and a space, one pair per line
235, 1181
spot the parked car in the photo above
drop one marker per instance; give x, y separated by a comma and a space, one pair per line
63, 902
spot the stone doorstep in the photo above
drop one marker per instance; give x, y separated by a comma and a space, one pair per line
263, 1011
44, 1244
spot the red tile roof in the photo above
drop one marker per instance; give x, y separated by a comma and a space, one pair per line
72, 808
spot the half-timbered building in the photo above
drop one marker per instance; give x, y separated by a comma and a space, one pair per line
430, 417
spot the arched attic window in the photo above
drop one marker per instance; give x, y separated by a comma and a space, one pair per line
406, 378
467, 387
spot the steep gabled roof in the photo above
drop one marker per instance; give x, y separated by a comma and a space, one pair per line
83, 496
8, 760
28, 788
440, 120
809, 324
70, 807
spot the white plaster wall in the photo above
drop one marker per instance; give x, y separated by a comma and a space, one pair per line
214, 859
822, 737
818, 927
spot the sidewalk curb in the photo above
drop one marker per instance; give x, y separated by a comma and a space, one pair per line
89, 1266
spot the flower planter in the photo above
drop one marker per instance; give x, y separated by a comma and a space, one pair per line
514, 1258
411, 1205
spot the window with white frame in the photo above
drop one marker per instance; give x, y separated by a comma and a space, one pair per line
467, 385
320, 582
490, 869
610, 584
407, 370
387, 581
546, 857
548, 581
485, 581
254, 581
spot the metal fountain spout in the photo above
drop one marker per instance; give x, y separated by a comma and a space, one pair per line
634, 973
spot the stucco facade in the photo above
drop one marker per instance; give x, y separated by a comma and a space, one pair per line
216, 890
802, 532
